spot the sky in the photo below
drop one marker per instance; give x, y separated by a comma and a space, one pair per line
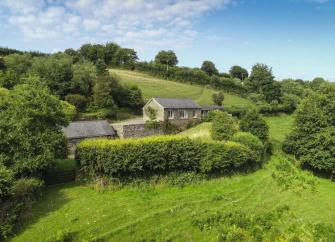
294, 37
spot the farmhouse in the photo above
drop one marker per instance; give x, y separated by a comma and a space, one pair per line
79, 130
178, 112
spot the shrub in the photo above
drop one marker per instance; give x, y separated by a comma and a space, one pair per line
79, 101
27, 189
61, 236
223, 126
209, 116
227, 157
313, 134
236, 111
6, 180
22, 193
252, 142
252, 122
156, 155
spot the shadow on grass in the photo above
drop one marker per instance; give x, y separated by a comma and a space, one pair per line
53, 199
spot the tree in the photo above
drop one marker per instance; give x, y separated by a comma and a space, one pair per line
253, 123
2, 64
313, 134
262, 81
260, 75
74, 54
127, 57
134, 98
103, 91
317, 82
238, 72
294, 87
223, 126
209, 68
109, 53
167, 58
218, 98
92, 52
79, 101
33, 118
83, 78
56, 71
271, 91
101, 67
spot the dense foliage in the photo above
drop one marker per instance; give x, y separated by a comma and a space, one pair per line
243, 226
76, 77
252, 142
30, 128
313, 136
209, 68
30, 140
161, 155
223, 126
252, 122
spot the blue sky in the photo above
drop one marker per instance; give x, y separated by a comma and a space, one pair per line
295, 37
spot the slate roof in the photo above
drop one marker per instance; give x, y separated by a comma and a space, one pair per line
212, 107
174, 103
88, 129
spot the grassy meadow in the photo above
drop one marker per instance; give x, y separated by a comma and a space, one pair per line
155, 87
148, 212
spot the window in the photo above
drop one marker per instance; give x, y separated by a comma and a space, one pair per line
170, 114
182, 114
194, 114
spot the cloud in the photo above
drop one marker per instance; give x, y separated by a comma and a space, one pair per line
137, 23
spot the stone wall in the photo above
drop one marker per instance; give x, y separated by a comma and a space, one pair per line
135, 130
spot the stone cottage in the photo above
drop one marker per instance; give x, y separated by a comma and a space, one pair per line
178, 112
80, 130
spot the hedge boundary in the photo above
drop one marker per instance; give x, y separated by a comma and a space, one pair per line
161, 154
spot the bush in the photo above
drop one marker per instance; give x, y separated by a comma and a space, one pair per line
156, 155
227, 157
21, 194
223, 126
252, 122
236, 111
79, 101
6, 180
61, 236
27, 189
252, 142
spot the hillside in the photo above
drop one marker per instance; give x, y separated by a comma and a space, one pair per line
155, 87
162, 211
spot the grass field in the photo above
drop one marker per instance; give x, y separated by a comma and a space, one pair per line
279, 126
155, 87
164, 212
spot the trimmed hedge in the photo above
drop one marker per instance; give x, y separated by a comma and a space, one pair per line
252, 142
161, 155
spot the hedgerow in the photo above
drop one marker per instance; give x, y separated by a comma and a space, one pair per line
156, 155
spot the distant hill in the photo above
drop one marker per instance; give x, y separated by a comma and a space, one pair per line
155, 87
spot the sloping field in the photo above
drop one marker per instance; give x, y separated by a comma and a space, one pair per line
155, 87
161, 212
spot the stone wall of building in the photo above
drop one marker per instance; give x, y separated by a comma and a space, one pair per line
136, 130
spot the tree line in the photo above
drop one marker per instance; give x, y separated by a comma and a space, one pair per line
259, 86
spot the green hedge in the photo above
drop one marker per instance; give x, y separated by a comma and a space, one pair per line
160, 155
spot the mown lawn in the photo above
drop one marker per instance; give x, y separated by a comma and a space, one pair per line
167, 212
155, 87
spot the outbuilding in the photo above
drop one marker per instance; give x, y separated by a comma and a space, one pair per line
80, 130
